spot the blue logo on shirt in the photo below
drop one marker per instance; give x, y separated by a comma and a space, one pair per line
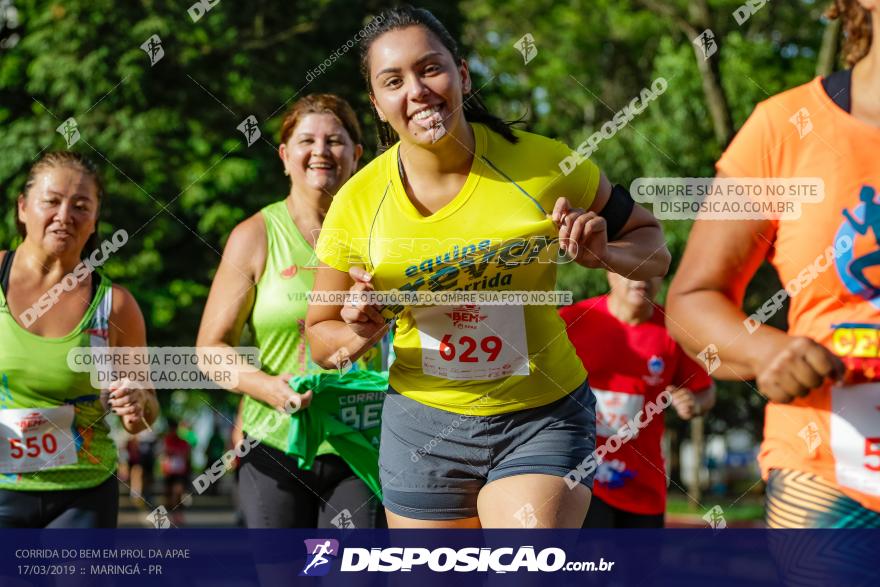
851, 270
656, 365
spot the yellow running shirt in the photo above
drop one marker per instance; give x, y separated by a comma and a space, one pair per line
495, 235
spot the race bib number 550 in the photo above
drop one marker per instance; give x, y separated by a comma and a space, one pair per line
855, 436
473, 342
35, 439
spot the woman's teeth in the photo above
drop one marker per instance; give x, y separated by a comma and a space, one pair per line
429, 119
426, 113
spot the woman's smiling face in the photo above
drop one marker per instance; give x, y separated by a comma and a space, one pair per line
416, 85
320, 154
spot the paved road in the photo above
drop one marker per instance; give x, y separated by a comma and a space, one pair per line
202, 511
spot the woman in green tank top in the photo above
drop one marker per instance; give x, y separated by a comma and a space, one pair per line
57, 460
267, 270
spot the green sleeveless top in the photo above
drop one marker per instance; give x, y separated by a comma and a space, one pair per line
278, 319
49, 411
278, 323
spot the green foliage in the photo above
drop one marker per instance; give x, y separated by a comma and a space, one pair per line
595, 56
180, 176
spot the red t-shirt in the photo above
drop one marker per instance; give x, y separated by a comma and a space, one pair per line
175, 460
628, 367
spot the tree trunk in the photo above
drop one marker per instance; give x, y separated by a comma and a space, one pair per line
710, 71
722, 121
699, 443
699, 19
827, 61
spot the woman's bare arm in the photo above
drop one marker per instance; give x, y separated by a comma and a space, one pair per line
138, 406
637, 252
331, 337
704, 305
229, 305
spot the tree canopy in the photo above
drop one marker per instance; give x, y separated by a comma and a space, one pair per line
180, 174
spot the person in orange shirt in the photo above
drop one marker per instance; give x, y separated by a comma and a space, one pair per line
821, 450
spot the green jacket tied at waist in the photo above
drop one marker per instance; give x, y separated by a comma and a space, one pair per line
346, 412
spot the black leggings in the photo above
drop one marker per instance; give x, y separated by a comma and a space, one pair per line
95, 507
273, 492
602, 515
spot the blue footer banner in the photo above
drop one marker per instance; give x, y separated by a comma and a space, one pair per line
235, 557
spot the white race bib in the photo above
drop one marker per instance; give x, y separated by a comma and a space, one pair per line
614, 409
35, 439
855, 436
472, 342
176, 465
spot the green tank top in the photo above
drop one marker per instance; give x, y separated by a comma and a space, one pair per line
48, 411
278, 319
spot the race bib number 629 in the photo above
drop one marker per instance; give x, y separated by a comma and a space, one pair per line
472, 342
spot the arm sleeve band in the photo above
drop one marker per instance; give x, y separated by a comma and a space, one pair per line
617, 211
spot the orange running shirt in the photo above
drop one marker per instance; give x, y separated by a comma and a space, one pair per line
829, 259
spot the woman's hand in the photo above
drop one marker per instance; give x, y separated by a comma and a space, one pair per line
800, 366
278, 394
684, 402
128, 402
583, 235
338, 334
364, 319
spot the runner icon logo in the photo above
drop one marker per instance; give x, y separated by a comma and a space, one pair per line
812, 438
70, 131
343, 520
526, 45
250, 129
865, 250
153, 48
710, 358
802, 122
159, 518
707, 44
526, 516
320, 551
715, 518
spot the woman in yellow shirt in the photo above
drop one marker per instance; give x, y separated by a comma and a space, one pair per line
488, 408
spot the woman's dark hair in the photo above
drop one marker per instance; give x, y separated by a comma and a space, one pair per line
73, 160
404, 17
857, 29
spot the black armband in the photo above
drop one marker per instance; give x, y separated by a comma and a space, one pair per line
617, 210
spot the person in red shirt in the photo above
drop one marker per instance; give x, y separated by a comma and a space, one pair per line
633, 362
176, 468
